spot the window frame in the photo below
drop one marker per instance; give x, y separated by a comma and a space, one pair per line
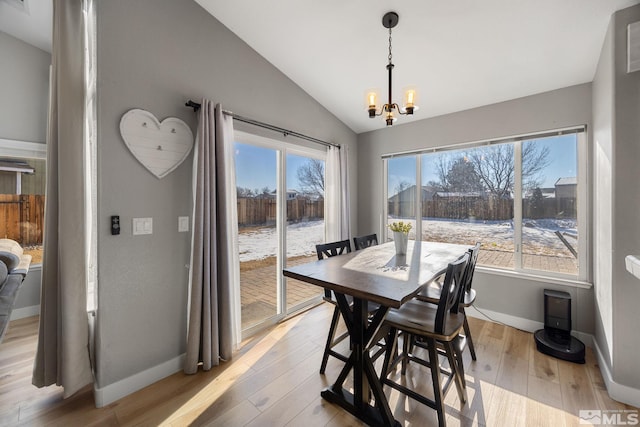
582, 277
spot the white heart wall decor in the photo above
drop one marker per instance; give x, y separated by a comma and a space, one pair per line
159, 146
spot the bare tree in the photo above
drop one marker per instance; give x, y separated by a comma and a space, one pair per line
462, 177
442, 171
244, 192
534, 161
495, 166
265, 191
456, 173
311, 177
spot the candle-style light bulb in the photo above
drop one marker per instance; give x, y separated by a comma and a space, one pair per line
372, 101
410, 104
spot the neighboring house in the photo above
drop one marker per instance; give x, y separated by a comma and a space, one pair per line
11, 173
408, 195
291, 194
567, 188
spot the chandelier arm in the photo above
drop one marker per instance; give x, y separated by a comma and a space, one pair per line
397, 107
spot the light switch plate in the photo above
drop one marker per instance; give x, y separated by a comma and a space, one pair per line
142, 226
183, 224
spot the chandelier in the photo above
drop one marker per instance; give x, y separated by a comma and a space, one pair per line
390, 20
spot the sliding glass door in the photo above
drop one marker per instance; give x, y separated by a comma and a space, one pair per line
257, 177
305, 221
280, 191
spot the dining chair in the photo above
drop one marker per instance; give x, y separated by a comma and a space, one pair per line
326, 250
365, 241
431, 294
435, 328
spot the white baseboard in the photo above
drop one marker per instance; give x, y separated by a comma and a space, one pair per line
521, 323
620, 392
109, 394
21, 313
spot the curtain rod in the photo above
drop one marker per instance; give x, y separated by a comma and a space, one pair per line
285, 132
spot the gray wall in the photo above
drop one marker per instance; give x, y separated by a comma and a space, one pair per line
155, 55
617, 108
551, 110
24, 85
602, 195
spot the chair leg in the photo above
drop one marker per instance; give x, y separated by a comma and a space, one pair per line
390, 351
330, 338
467, 333
458, 355
407, 348
437, 386
455, 363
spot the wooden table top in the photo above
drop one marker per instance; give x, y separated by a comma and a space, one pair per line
377, 274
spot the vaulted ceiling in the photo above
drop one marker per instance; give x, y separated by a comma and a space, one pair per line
459, 54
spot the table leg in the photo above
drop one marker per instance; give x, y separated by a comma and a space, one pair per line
365, 380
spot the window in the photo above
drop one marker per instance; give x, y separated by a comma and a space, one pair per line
401, 186
522, 198
22, 189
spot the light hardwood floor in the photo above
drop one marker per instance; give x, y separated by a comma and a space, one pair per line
273, 380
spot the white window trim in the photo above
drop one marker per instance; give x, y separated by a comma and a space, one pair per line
25, 149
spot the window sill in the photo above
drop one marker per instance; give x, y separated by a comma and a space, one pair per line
572, 283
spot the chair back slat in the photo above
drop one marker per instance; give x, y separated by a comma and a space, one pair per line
327, 250
363, 242
450, 294
470, 270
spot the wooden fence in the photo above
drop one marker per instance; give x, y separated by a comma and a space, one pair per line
262, 211
22, 218
484, 209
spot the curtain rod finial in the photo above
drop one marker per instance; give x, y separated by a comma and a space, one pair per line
193, 105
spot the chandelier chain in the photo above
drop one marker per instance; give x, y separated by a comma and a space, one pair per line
390, 46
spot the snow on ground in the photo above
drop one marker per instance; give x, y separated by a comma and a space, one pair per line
260, 243
538, 236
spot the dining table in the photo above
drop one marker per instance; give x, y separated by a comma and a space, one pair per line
379, 275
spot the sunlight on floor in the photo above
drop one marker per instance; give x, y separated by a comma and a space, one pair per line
194, 407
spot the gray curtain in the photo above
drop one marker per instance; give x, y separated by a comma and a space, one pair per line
62, 356
214, 304
337, 213
345, 211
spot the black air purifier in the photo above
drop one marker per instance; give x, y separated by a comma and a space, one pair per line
555, 339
